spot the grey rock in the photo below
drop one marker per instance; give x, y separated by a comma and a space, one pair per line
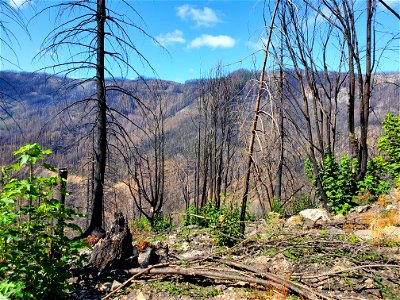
147, 257
315, 214
365, 234
333, 230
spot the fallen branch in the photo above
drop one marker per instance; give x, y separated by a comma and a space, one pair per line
142, 271
299, 276
276, 282
294, 286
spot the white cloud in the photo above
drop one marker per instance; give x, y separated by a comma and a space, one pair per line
205, 17
218, 41
170, 38
17, 3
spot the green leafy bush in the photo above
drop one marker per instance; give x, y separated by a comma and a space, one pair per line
376, 181
34, 253
11, 290
340, 184
141, 224
338, 181
389, 143
225, 221
161, 223
227, 229
210, 214
190, 216
277, 206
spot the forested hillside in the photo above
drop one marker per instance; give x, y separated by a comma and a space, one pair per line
274, 173
204, 135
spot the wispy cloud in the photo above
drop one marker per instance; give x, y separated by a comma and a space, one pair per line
213, 41
205, 17
17, 3
258, 45
170, 38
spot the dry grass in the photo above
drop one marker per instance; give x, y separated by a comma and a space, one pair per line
383, 221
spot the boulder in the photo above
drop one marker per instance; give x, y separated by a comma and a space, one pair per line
315, 214
339, 219
151, 254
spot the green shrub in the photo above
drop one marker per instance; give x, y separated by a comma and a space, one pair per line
210, 214
227, 229
190, 216
141, 224
339, 180
11, 290
277, 206
34, 253
301, 203
376, 181
339, 183
161, 223
225, 221
389, 143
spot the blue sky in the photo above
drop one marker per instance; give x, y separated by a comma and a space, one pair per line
195, 35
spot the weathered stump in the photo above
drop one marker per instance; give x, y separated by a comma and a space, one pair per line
113, 251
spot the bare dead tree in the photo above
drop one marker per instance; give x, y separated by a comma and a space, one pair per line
254, 123
218, 106
346, 16
313, 89
146, 161
99, 42
8, 40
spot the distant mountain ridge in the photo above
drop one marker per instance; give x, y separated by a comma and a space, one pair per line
30, 103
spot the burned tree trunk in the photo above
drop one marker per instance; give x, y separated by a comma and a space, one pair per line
115, 249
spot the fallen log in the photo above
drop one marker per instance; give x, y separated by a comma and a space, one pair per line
278, 283
293, 286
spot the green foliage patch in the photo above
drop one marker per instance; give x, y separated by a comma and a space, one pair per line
224, 221
389, 143
142, 224
339, 179
34, 252
162, 223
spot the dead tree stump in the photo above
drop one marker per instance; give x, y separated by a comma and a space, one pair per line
113, 251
